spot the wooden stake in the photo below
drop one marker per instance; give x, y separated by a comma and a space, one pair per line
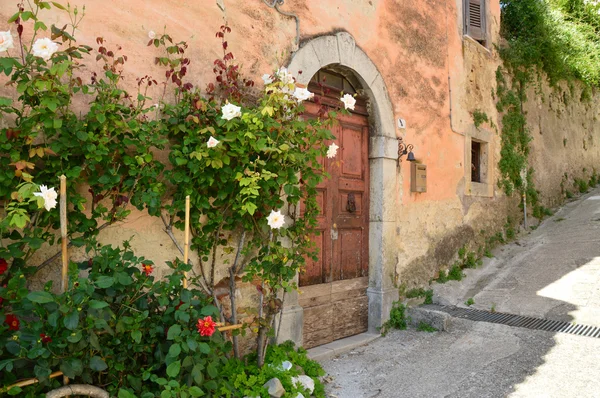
186, 242
63, 233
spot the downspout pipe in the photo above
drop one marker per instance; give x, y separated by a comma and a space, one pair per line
275, 4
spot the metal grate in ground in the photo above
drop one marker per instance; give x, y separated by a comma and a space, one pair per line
517, 320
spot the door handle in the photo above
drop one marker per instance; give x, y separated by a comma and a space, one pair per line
351, 203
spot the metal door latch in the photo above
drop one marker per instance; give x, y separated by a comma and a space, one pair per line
351, 205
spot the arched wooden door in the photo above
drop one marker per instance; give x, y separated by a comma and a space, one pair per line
334, 288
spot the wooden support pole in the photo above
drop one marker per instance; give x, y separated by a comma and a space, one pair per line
186, 242
63, 233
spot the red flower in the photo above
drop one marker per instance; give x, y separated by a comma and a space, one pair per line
3, 266
12, 322
45, 338
147, 269
206, 326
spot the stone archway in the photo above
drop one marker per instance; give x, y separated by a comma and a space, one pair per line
340, 50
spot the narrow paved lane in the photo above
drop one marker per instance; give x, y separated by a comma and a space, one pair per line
553, 273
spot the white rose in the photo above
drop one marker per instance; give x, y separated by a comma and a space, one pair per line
275, 219
6, 41
302, 94
49, 196
44, 48
151, 35
285, 76
212, 142
267, 79
349, 101
230, 111
332, 151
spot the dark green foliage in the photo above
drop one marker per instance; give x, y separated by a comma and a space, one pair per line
420, 292
114, 320
425, 327
247, 379
455, 273
558, 37
479, 118
581, 185
593, 180
398, 318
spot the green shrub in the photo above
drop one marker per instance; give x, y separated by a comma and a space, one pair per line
398, 318
455, 273
581, 185
248, 379
116, 327
425, 327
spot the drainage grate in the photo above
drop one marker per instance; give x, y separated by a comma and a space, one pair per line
517, 320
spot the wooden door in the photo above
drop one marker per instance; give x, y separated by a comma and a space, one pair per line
333, 289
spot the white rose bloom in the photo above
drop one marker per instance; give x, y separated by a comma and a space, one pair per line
332, 151
6, 41
349, 101
276, 219
230, 111
267, 79
212, 142
151, 35
44, 48
302, 94
285, 76
49, 196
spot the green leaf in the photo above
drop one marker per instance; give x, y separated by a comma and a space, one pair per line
71, 321
173, 369
15, 391
5, 362
174, 331
13, 18
57, 123
58, 5
101, 117
125, 394
192, 344
197, 373
40, 297
13, 347
209, 310
174, 350
94, 341
71, 367
96, 304
196, 391
97, 364
104, 282
136, 335
212, 370
26, 15
203, 348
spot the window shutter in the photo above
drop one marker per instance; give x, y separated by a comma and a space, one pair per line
475, 19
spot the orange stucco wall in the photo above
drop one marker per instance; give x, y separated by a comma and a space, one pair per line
435, 79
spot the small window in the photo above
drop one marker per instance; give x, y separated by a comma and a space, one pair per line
475, 161
474, 16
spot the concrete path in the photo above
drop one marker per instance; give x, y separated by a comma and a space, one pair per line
552, 272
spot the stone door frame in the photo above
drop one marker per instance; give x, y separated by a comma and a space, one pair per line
340, 50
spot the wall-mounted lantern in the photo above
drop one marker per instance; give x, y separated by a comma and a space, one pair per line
404, 149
